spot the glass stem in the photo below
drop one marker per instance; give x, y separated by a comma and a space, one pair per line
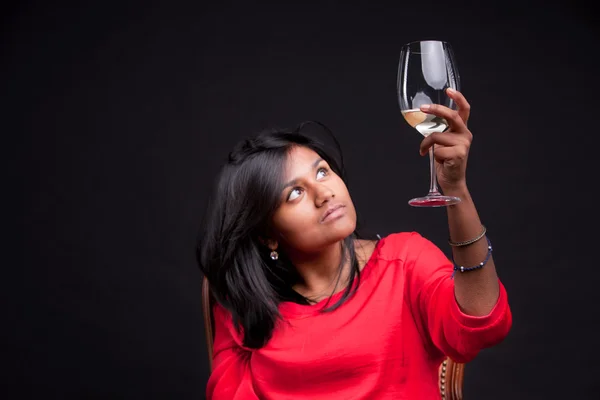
433, 187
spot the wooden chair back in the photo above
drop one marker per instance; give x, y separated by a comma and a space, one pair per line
451, 374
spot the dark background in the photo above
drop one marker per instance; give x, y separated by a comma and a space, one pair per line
118, 115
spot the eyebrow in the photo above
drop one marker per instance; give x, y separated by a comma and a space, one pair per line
293, 182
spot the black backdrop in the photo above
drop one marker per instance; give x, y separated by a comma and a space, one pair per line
122, 113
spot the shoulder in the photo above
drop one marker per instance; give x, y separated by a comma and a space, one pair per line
421, 259
403, 245
224, 325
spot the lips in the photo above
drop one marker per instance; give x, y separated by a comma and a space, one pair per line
331, 209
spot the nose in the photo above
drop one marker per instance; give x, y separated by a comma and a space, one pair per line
323, 195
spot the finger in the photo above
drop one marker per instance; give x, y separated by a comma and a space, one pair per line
456, 153
454, 120
464, 108
440, 138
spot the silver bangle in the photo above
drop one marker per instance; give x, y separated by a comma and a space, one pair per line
468, 242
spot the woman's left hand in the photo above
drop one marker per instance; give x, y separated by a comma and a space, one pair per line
451, 148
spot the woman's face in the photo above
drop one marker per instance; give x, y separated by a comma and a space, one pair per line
316, 209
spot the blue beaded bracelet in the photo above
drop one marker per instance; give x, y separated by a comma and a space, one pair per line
480, 265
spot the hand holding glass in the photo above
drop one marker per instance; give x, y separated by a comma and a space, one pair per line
426, 69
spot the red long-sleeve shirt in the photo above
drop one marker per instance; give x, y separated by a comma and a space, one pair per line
385, 342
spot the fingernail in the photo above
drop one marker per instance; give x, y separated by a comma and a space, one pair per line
425, 107
450, 90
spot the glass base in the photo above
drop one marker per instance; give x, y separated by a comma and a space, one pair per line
434, 201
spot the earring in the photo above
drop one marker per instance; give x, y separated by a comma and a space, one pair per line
274, 255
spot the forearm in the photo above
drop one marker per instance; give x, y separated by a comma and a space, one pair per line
476, 291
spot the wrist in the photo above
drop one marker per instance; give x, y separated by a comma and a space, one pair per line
459, 189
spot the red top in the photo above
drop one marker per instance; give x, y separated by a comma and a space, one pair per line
385, 342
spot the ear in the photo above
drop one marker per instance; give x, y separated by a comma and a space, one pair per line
270, 243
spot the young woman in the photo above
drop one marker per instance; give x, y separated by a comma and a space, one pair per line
306, 309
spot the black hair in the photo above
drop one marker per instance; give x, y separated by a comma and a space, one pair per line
242, 276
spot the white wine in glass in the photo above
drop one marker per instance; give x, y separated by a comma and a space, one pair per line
426, 69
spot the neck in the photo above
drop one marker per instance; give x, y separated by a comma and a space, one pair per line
319, 271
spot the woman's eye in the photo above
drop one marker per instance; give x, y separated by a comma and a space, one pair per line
294, 194
297, 191
322, 171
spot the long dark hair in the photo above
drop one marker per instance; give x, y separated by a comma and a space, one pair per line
242, 276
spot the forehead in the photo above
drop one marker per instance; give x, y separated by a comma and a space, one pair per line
300, 159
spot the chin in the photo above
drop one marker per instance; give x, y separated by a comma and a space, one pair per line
312, 240
343, 229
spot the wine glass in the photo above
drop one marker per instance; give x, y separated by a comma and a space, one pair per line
426, 69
